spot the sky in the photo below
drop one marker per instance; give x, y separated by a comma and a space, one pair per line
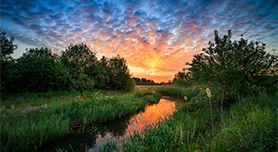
156, 37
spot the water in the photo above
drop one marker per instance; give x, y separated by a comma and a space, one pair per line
98, 134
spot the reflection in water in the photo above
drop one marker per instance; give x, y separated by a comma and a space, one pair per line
119, 129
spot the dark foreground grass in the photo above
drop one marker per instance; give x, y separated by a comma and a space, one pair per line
28, 122
249, 124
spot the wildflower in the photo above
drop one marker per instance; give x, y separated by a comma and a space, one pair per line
185, 98
12, 106
208, 92
36, 108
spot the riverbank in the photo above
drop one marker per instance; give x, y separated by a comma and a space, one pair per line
249, 124
29, 120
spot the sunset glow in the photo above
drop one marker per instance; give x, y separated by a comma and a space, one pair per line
155, 37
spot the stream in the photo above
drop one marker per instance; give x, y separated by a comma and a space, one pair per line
98, 134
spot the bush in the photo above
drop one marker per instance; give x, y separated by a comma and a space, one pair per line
100, 73
76, 58
39, 72
236, 67
182, 78
80, 82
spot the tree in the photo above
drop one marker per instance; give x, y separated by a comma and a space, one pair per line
79, 56
237, 67
7, 47
182, 78
120, 77
6, 69
100, 73
38, 71
75, 59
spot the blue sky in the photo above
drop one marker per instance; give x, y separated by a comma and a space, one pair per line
155, 37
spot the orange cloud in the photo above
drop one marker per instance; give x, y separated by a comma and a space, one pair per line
149, 53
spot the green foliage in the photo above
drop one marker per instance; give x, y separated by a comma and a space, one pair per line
129, 84
8, 73
7, 47
31, 121
178, 92
182, 78
80, 82
37, 71
111, 74
237, 67
75, 59
120, 79
100, 73
250, 124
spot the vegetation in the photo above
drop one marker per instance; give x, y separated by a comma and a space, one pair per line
144, 81
31, 119
248, 125
7, 48
236, 67
182, 78
40, 70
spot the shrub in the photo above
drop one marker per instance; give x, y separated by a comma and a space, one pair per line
237, 67
37, 71
75, 59
182, 78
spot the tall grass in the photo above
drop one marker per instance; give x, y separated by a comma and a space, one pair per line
28, 123
250, 124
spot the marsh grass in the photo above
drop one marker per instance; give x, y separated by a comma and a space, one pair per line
250, 124
30, 121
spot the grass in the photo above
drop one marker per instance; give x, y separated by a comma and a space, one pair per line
29, 120
249, 124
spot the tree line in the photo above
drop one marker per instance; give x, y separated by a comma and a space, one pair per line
41, 70
144, 81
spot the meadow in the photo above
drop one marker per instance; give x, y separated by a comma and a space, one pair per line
30, 120
249, 124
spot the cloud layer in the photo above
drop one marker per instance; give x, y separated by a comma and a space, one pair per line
157, 37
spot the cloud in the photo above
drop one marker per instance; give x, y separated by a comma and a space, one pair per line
158, 35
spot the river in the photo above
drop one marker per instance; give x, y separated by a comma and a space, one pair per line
98, 134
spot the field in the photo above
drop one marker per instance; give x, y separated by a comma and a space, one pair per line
31, 119
249, 124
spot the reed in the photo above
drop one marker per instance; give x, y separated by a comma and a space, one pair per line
26, 126
250, 124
